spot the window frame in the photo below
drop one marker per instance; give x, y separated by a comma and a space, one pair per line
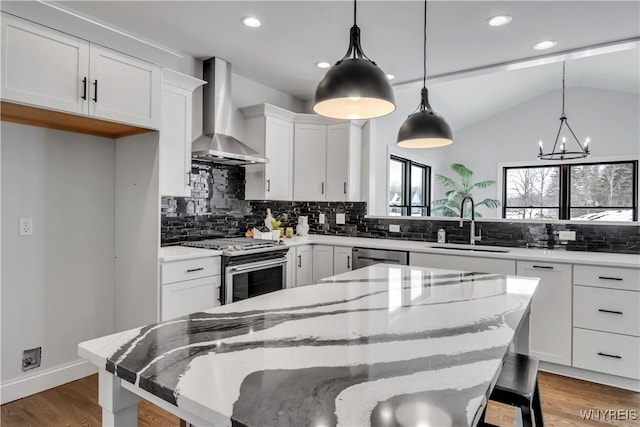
564, 195
406, 205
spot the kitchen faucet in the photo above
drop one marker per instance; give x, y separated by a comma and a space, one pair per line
472, 232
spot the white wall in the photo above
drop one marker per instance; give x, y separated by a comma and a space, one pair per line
383, 136
610, 119
57, 286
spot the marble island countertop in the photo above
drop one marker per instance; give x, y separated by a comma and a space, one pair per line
383, 345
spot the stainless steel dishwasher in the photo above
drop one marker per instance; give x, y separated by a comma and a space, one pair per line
363, 257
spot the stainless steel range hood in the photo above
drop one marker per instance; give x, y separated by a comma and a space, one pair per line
216, 145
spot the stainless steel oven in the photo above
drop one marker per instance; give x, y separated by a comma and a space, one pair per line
247, 276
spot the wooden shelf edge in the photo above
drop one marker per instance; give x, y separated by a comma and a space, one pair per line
34, 116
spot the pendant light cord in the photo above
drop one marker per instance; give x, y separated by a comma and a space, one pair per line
563, 89
354, 12
424, 65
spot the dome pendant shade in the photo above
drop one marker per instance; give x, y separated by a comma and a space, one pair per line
354, 88
425, 128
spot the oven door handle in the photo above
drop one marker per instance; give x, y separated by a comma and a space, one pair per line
257, 266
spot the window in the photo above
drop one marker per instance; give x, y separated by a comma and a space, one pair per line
408, 187
585, 191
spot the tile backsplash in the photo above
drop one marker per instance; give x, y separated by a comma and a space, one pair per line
217, 209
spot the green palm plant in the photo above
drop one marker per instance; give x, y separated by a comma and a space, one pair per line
450, 206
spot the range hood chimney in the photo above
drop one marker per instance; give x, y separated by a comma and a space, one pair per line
216, 145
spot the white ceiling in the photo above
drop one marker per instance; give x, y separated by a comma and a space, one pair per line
296, 34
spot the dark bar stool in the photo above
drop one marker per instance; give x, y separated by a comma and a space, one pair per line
518, 386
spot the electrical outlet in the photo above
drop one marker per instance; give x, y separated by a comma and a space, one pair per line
31, 358
321, 218
394, 228
340, 218
567, 235
26, 227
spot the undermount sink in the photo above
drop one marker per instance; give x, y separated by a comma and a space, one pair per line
459, 248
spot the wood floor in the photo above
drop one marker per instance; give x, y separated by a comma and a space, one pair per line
76, 404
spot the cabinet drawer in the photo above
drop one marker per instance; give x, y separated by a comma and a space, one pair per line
182, 298
608, 310
605, 352
607, 277
188, 269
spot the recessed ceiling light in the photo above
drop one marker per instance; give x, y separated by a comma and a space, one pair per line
323, 64
390, 76
251, 21
544, 45
499, 20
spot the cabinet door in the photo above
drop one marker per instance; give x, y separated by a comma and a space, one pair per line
310, 142
341, 259
338, 140
322, 262
279, 151
43, 67
124, 89
550, 311
290, 280
304, 266
175, 142
182, 298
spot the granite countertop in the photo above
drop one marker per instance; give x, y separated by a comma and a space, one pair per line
383, 345
178, 253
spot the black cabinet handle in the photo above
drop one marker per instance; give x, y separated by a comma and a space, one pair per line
546, 267
95, 91
613, 356
345, 188
191, 270
268, 185
300, 261
322, 188
610, 278
609, 311
84, 88
348, 261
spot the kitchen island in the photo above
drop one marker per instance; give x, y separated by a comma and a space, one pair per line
380, 345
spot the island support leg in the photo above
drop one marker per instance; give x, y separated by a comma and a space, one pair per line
119, 406
522, 338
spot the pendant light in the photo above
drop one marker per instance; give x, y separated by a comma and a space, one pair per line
561, 153
355, 87
425, 128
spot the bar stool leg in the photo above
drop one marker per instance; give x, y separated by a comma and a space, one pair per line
526, 416
537, 407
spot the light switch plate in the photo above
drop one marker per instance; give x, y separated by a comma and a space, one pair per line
567, 235
340, 218
394, 228
321, 218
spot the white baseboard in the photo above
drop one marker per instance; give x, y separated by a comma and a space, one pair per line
30, 384
594, 377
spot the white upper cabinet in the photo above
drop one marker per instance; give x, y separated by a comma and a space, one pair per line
49, 69
175, 132
310, 150
124, 89
344, 150
44, 67
270, 132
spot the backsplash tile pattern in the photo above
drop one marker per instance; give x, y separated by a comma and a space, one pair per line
218, 209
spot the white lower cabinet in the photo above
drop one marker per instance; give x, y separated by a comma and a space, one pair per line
464, 263
304, 265
182, 298
550, 311
189, 285
342, 259
322, 262
606, 320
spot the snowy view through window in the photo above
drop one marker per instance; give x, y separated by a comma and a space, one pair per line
595, 192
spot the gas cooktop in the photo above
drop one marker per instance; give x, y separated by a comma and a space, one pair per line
236, 245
